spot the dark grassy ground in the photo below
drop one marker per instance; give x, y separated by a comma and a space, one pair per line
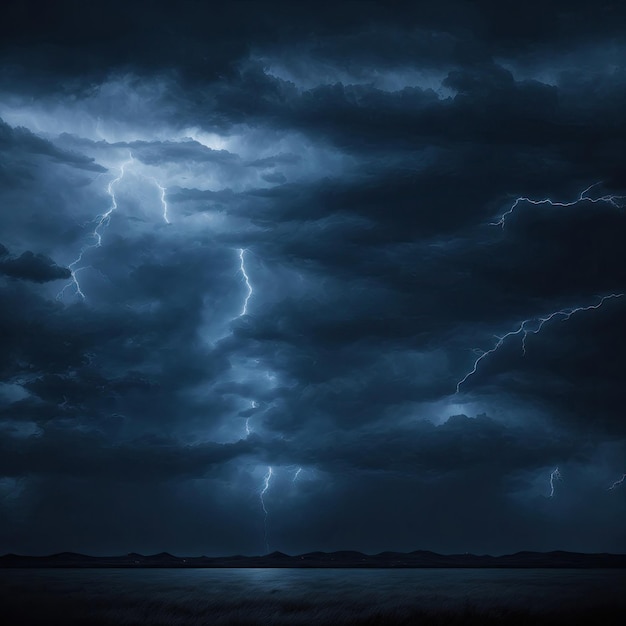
287, 598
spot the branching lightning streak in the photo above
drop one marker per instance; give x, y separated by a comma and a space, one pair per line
583, 197
524, 331
554, 475
242, 268
102, 221
266, 485
295, 476
617, 483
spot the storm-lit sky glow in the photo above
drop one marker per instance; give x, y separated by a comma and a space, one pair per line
292, 276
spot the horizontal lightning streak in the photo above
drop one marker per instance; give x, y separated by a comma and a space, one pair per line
524, 331
612, 199
617, 483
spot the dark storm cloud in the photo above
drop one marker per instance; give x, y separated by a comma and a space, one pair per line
489, 108
273, 161
146, 34
99, 362
360, 154
154, 153
461, 444
29, 266
16, 142
91, 455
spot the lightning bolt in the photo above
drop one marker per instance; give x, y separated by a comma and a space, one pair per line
253, 405
554, 475
266, 485
270, 472
611, 199
102, 221
242, 268
523, 330
617, 483
295, 476
163, 191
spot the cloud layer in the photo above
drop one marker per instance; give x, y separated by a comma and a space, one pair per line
398, 345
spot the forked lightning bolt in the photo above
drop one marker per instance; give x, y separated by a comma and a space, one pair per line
554, 475
242, 268
102, 221
295, 476
533, 326
266, 485
617, 483
614, 200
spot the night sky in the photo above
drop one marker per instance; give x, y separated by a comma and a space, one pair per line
266, 283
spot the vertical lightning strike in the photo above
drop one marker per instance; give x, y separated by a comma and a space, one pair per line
266, 485
612, 199
554, 475
163, 191
295, 476
617, 483
253, 405
270, 472
242, 268
523, 330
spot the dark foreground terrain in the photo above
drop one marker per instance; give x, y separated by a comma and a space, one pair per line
343, 559
313, 596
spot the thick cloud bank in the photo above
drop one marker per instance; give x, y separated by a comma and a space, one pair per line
377, 250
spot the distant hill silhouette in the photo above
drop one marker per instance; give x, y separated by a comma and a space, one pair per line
344, 558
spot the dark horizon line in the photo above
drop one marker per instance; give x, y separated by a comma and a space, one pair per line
280, 553
337, 559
